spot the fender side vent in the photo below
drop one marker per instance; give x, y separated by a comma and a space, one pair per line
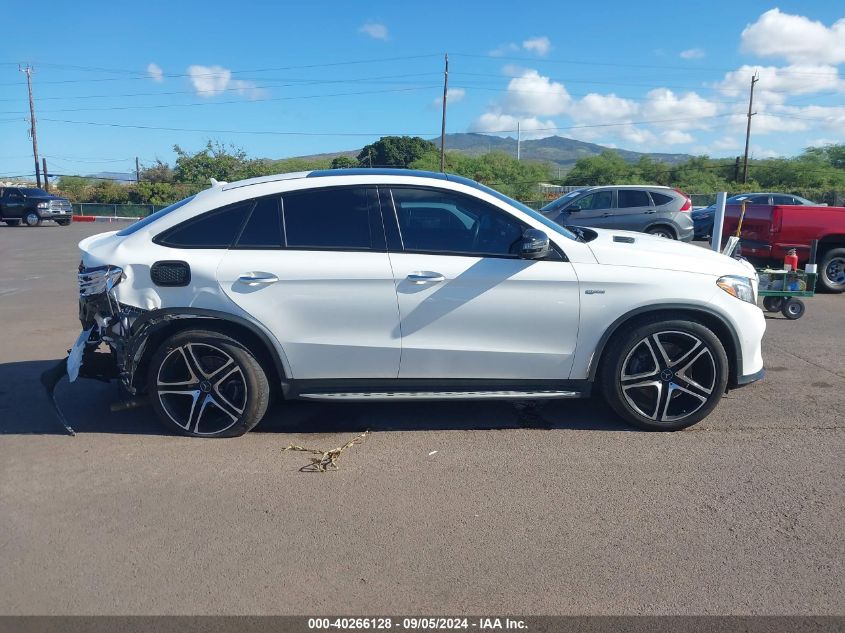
170, 273
624, 239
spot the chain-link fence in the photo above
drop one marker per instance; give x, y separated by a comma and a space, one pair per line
115, 210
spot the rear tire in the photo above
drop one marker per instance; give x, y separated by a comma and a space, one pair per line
32, 219
206, 384
662, 231
832, 271
772, 304
664, 375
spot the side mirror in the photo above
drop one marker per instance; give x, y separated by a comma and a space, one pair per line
535, 244
573, 209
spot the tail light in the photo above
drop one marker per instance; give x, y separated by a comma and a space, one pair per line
687, 206
777, 219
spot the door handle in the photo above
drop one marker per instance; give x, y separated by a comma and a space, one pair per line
606, 215
254, 279
647, 212
425, 277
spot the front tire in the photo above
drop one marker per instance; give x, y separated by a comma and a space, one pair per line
12, 222
832, 273
206, 384
664, 375
63, 222
32, 219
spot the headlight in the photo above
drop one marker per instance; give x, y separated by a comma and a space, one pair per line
739, 287
43, 205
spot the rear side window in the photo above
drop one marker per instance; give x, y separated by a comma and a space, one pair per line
660, 198
633, 198
758, 200
216, 229
783, 199
328, 218
263, 229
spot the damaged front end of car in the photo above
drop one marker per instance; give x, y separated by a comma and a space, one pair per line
106, 323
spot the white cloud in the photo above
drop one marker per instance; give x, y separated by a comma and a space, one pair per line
676, 137
691, 110
500, 123
535, 95
375, 30
795, 38
778, 83
155, 72
503, 49
692, 53
453, 96
539, 45
209, 81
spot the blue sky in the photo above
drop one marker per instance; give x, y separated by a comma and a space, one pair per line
284, 79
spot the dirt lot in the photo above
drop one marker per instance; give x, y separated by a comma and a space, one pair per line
569, 514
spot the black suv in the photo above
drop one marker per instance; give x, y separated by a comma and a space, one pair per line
32, 206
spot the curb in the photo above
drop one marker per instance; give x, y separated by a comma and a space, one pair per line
102, 218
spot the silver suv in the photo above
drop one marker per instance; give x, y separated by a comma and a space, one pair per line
660, 211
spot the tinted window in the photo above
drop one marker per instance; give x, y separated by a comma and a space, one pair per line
140, 224
447, 222
327, 218
264, 227
660, 198
595, 200
633, 198
216, 229
758, 200
783, 199
38, 193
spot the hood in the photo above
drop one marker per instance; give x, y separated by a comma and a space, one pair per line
640, 250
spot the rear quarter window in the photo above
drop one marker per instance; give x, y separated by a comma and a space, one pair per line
660, 198
215, 229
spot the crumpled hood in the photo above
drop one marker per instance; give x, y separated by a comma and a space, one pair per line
647, 251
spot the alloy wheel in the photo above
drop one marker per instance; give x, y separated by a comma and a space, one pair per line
668, 376
201, 388
835, 271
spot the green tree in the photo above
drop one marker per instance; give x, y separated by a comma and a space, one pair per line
214, 161
608, 168
344, 162
394, 151
157, 172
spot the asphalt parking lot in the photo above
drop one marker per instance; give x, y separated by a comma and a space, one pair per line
566, 513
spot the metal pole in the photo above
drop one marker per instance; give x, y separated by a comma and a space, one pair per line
28, 72
754, 80
718, 221
137, 171
518, 141
46, 177
443, 119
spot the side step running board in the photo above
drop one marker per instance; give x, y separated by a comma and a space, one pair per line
444, 395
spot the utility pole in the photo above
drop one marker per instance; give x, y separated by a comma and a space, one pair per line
518, 141
137, 171
754, 79
736, 169
28, 72
46, 176
443, 120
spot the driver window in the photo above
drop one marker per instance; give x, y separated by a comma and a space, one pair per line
596, 200
433, 221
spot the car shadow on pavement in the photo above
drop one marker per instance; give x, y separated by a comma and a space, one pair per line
27, 408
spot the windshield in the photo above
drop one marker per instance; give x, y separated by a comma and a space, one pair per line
559, 202
32, 191
140, 224
554, 226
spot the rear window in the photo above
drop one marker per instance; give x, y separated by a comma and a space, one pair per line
660, 198
327, 218
140, 224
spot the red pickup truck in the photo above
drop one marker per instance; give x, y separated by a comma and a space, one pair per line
770, 231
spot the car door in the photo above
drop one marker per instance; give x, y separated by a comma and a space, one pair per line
634, 210
13, 203
595, 209
469, 307
311, 266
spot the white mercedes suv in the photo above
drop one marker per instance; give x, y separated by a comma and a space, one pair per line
368, 284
